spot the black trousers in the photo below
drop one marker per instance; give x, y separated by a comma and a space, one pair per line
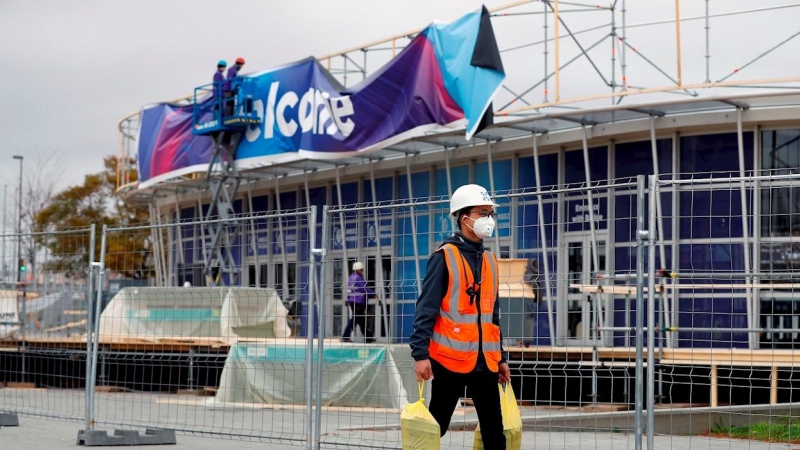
358, 317
447, 387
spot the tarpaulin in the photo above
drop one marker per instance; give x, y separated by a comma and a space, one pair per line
446, 77
224, 313
273, 371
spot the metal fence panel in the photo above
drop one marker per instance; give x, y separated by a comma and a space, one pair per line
227, 361
730, 286
44, 314
558, 325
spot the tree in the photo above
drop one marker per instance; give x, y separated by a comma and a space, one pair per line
94, 202
39, 183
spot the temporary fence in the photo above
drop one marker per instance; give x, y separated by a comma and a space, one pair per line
551, 322
696, 337
724, 274
196, 355
44, 314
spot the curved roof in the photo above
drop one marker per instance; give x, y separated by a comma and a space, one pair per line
600, 97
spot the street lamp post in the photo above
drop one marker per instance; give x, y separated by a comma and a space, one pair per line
19, 258
3, 261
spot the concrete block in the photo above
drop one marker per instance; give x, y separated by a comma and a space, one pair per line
98, 438
8, 420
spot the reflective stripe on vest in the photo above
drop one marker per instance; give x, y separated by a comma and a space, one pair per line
455, 340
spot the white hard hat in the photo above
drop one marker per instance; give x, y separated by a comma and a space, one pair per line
358, 266
469, 195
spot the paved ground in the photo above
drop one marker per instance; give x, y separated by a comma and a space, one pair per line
44, 434
346, 427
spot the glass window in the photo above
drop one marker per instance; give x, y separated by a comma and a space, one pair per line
251, 275
711, 257
548, 170
780, 212
625, 258
636, 158
337, 278
781, 257
717, 153
598, 165
288, 200
780, 149
261, 203
349, 194
318, 197
711, 214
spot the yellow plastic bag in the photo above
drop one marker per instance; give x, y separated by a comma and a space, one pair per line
512, 421
420, 429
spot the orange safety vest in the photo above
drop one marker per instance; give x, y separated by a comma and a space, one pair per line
456, 337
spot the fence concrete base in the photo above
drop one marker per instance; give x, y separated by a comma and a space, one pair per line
97, 438
8, 420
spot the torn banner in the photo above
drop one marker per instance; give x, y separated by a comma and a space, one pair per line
446, 77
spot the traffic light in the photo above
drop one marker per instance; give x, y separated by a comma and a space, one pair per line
22, 267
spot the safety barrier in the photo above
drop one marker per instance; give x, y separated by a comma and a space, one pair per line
615, 302
44, 314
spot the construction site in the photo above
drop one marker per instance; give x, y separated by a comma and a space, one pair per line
646, 239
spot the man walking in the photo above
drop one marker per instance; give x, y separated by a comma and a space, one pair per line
357, 292
456, 340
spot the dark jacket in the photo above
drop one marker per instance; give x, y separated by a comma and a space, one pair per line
434, 288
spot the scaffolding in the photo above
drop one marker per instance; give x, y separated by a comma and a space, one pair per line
223, 119
590, 56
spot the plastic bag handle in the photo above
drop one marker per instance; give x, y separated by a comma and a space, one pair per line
421, 386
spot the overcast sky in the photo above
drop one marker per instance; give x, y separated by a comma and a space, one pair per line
70, 70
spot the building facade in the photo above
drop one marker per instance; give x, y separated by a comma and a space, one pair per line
392, 214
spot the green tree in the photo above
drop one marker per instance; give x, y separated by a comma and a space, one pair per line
93, 202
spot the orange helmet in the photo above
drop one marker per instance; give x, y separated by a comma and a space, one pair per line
239, 60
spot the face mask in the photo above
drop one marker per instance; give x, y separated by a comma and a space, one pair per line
483, 227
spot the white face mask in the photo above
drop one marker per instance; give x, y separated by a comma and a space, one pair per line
483, 227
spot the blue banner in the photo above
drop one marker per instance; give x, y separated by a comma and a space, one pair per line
447, 76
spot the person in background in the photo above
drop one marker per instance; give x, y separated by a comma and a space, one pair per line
229, 89
219, 79
456, 341
532, 306
357, 292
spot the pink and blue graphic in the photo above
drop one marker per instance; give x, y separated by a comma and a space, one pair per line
447, 76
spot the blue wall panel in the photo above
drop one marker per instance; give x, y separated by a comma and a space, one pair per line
459, 176
502, 182
719, 313
529, 235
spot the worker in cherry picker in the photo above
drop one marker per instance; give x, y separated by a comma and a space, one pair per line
229, 89
219, 80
